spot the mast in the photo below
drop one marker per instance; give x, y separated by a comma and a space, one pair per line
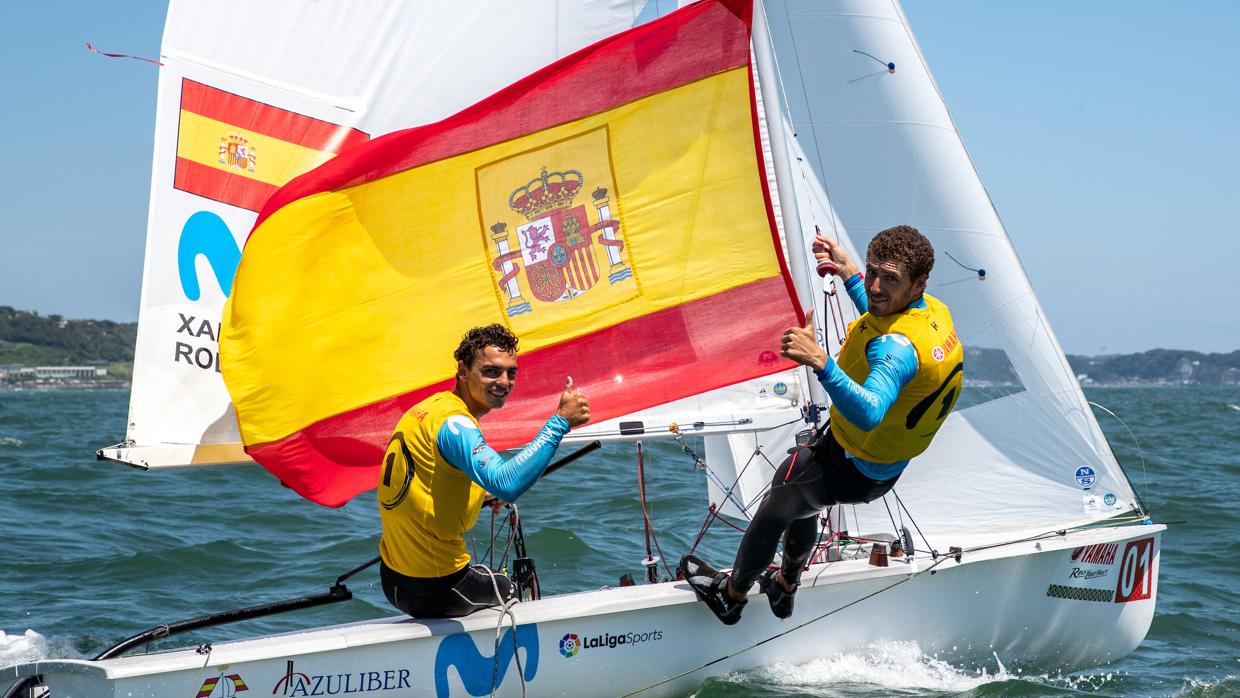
785, 191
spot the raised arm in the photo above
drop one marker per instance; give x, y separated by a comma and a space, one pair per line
463, 445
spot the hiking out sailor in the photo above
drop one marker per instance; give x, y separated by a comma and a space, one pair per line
437, 473
899, 374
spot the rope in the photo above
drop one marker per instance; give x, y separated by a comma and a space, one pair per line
505, 611
652, 573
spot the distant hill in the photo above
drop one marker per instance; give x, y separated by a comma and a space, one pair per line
1158, 366
1155, 367
37, 340
51, 340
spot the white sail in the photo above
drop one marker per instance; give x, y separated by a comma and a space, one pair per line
370, 68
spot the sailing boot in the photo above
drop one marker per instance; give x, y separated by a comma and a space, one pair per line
711, 586
779, 598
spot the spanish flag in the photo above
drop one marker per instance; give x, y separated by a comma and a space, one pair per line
611, 209
239, 151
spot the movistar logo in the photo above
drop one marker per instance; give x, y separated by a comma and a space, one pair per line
207, 235
476, 669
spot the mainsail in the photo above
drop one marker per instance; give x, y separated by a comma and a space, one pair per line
877, 147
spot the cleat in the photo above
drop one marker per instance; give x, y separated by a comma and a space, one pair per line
780, 600
710, 585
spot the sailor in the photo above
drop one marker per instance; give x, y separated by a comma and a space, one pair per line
437, 473
898, 376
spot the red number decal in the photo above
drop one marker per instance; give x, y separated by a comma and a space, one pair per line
1136, 571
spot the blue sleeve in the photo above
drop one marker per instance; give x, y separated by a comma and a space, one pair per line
893, 363
461, 444
855, 285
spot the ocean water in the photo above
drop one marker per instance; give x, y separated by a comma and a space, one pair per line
93, 552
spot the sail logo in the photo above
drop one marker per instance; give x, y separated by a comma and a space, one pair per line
572, 644
222, 686
476, 670
1083, 573
295, 683
1101, 554
555, 250
1086, 477
219, 137
206, 235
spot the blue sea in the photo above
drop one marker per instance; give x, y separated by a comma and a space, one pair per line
92, 552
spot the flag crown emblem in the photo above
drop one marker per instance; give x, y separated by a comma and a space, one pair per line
546, 192
236, 151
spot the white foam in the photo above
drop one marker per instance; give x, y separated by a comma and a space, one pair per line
28, 647
889, 666
15, 649
1203, 687
11, 441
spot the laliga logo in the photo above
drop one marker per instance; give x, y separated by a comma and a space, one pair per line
570, 645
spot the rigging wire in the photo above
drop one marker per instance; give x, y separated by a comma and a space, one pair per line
650, 562
933, 553
1145, 478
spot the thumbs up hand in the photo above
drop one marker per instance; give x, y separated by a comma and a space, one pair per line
801, 344
574, 407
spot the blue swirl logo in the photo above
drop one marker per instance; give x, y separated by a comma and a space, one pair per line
206, 234
476, 669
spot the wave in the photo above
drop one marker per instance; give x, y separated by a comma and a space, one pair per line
11, 441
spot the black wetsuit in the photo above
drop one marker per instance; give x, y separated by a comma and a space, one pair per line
808, 481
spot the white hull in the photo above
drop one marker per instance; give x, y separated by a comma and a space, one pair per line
1030, 604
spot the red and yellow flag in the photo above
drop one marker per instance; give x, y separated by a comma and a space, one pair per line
611, 209
239, 151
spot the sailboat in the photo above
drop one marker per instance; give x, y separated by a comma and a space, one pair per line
1030, 544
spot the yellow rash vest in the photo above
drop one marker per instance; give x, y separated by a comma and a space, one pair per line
924, 401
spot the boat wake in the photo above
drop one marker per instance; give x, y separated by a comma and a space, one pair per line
32, 646
894, 668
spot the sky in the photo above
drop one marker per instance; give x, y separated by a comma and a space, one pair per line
1105, 133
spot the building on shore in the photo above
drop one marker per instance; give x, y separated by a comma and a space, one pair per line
19, 372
